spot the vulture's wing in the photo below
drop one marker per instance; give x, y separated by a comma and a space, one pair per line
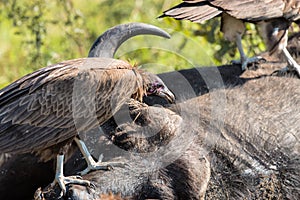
52, 103
248, 10
195, 11
251, 10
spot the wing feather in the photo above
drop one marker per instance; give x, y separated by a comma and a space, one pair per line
247, 10
54, 103
197, 11
252, 10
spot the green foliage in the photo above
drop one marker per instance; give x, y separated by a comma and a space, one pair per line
36, 33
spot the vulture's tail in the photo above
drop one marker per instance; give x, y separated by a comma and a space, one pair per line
195, 12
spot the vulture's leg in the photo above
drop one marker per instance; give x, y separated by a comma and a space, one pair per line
92, 165
244, 60
62, 180
233, 30
275, 33
292, 64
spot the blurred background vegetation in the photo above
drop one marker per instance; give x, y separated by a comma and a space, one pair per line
37, 33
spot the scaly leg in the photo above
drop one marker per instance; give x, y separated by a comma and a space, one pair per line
92, 165
244, 60
62, 180
292, 64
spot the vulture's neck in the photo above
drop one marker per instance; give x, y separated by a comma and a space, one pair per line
141, 85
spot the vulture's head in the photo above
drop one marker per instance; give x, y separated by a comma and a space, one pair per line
153, 85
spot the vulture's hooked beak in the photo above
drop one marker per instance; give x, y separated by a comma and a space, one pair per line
166, 94
157, 87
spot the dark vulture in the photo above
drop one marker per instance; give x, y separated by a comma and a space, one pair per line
274, 17
44, 111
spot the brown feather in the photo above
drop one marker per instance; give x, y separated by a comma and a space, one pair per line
53, 104
246, 10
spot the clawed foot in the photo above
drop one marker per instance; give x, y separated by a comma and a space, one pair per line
295, 68
246, 61
62, 181
286, 70
92, 165
101, 165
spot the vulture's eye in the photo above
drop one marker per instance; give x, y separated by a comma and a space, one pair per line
155, 88
159, 86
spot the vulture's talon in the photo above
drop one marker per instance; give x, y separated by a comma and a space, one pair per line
262, 60
280, 72
92, 186
78, 177
110, 167
285, 71
62, 181
249, 61
102, 166
294, 69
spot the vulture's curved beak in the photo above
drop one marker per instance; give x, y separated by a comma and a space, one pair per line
166, 94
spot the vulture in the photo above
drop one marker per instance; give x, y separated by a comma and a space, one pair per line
273, 16
43, 112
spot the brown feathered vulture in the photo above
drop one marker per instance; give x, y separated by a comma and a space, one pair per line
275, 16
44, 111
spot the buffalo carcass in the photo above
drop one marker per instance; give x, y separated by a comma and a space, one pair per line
248, 144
